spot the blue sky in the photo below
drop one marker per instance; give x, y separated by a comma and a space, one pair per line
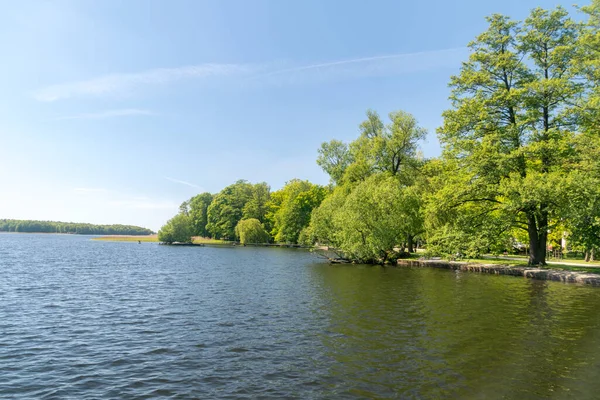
116, 111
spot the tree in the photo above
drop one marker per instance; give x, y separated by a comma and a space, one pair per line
291, 208
177, 229
508, 140
334, 158
13, 225
588, 64
390, 148
197, 208
226, 209
256, 206
251, 231
371, 222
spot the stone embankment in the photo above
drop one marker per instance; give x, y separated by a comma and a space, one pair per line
499, 269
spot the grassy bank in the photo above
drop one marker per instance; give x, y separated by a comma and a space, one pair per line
562, 266
154, 238
119, 238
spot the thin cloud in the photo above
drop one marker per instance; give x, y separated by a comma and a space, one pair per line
122, 83
128, 112
387, 65
193, 185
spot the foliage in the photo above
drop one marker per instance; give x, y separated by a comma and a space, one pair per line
334, 157
520, 163
15, 225
508, 139
177, 229
197, 209
390, 148
251, 231
291, 208
237, 201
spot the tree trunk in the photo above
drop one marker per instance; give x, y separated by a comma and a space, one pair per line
537, 239
592, 254
409, 243
586, 257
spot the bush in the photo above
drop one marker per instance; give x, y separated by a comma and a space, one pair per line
251, 231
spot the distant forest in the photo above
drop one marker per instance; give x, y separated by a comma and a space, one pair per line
15, 225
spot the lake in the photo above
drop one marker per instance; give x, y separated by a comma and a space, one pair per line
87, 319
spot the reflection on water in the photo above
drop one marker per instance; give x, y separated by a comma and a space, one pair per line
84, 319
437, 334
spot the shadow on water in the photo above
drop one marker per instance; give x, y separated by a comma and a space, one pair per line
428, 333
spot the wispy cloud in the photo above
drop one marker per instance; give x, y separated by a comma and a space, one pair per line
385, 65
122, 83
127, 112
193, 185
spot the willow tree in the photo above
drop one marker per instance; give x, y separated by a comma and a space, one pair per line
251, 231
509, 137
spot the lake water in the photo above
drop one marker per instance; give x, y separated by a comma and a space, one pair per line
83, 319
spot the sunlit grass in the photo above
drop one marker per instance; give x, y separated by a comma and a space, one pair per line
154, 238
201, 240
116, 238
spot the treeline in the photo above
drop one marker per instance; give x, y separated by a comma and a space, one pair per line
15, 225
520, 166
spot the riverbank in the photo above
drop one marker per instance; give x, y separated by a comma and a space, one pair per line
562, 273
198, 241
127, 238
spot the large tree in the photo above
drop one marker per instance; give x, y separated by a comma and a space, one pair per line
177, 229
508, 139
197, 209
291, 208
226, 210
334, 158
381, 148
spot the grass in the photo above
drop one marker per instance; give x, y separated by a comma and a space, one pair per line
118, 238
154, 238
201, 240
518, 263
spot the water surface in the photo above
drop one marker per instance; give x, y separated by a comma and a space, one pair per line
83, 319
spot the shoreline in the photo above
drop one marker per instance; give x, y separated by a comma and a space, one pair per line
548, 274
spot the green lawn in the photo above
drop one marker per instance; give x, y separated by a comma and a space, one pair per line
593, 268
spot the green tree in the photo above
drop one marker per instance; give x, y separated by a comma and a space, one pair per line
291, 208
371, 222
508, 140
334, 158
256, 206
177, 229
227, 209
390, 148
198, 212
251, 231
588, 63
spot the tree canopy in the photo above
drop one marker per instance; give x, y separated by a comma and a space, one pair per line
32, 226
178, 229
520, 165
251, 231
